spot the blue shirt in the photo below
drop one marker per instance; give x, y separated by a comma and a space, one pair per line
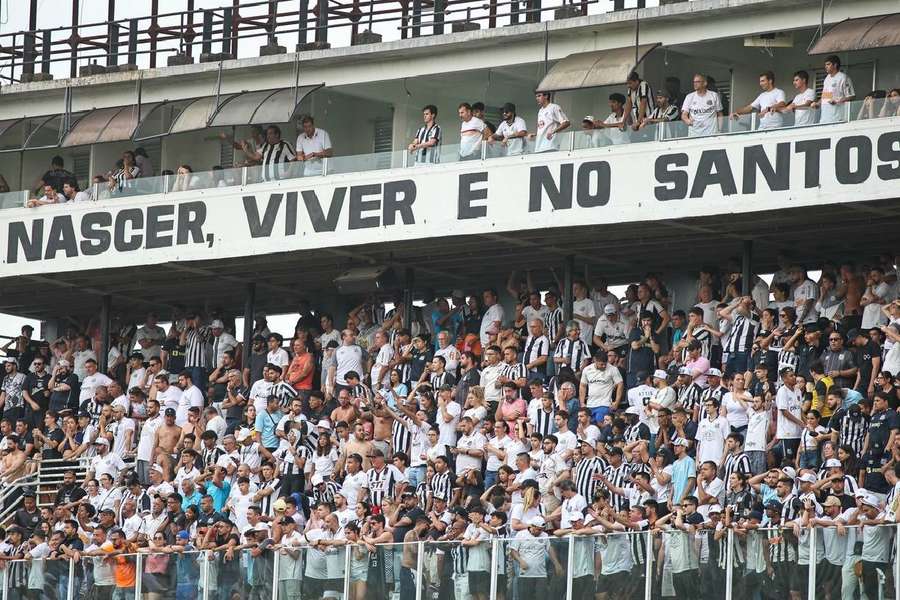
451, 326
193, 499
218, 494
266, 424
682, 470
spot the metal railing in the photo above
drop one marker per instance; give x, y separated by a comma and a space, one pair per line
567, 141
149, 41
712, 562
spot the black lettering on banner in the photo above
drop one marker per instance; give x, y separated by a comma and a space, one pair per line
95, 236
358, 206
157, 226
778, 178
586, 197
405, 190
290, 213
191, 217
128, 221
842, 149
61, 237
812, 152
714, 169
542, 180
31, 245
464, 207
317, 217
262, 228
888, 154
675, 182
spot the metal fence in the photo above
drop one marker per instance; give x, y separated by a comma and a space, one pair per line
715, 562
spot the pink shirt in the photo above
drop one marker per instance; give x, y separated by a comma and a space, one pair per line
702, 365
510, 412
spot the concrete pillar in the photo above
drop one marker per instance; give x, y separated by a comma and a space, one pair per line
747, 268
567, 298
105, 309
409, 282
249, 322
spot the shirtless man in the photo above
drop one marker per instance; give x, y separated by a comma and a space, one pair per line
357, 444
166, 441
345, 411
12, 463
382, 431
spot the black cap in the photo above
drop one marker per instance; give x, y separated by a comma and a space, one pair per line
170, 412
137, 355
508, 107
855, 333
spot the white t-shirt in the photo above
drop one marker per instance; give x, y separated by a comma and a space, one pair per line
600, 384
872, 313
382, 360
493, 462
156, 335
711, 439
347, 358
447, 431
279, 357
319, 142
767, 100
549, 118
712, 488
585, 308
470, 136
464, 462
90, 384
757, 430
804, 116
259, 394
835, 87
615, 135
787, 399
514, 146
806, 291
572, 510
494, 313
352, 485
145, 442
189, 398
703, 109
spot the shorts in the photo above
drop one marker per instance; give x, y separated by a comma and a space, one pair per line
615, 584
312, 587
800, 578
479, 582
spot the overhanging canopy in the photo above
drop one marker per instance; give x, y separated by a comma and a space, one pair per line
860, 34
234, 110
594, 69
102, 125
33, 133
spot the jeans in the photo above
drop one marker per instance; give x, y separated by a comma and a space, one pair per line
198, 378
737, 363
809, 459
407, 584
123, 593
757, 460
415, 475
62, 586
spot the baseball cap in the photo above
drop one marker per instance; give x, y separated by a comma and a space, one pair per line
871, 500
807, 478
242, 434
508, 107
832, 463
63, 363
279, 505
713, 372
317, 479
324, 424
217, 324
633, 410
10, 359
682, 442
609, 309
660, 374
773, 505
588, 118
536, 521
102, 441
184, 535
158, 468
789, 471
831, 501
715, 508
684, 371
170, 412
855, 333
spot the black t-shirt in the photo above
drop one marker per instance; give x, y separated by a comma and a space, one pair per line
27, 520
642, 359
881, 424
27, 356
176, 355
57, 436
417, 362
807, 355
862, 356
237, 412
37, 388
24, 440
68, 494
400, 532
63, 400
56, 178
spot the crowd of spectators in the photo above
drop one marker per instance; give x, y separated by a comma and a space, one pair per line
764, 414
633, 116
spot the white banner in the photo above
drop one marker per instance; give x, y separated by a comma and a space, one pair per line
640, 182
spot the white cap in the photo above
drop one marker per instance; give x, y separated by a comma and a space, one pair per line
808, 478
10, 359
102, 441
715, 508
871, 500
589, 118
789, 471
684, 371
261, 527
242, 434
158, 468
682, 442
217, 324
536, 521
833, 463
633, 410
324, 424
610, 309
713, 372
660, 374
317, 479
